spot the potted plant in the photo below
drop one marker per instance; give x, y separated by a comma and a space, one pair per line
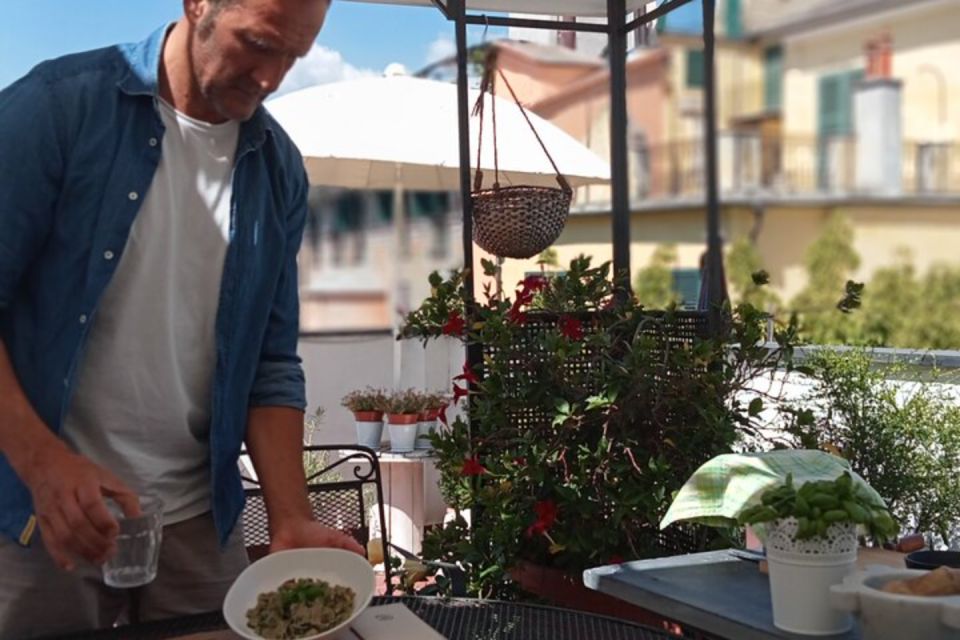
432, 409
811, 544
367, 406
585, 408
403, 413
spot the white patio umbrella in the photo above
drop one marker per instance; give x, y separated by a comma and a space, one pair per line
401, 133
374, 133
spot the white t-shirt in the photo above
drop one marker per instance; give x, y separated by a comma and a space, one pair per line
142, 402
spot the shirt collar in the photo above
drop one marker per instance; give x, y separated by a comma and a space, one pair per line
142, 79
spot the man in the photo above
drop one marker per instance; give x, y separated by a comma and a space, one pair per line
150, 217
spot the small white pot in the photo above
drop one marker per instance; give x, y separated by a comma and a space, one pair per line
403, 436
369, 433
424, 429
802, 572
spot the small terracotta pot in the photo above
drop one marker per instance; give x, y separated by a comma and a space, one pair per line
402, 418
368, 416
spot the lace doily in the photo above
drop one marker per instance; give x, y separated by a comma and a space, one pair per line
840, 540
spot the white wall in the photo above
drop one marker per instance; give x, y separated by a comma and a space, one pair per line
334, 365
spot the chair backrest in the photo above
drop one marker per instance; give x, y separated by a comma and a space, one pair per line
343, 484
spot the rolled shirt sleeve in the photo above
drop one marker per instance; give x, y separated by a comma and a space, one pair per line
279, 379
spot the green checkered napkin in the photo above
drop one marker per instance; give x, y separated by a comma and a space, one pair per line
725, 485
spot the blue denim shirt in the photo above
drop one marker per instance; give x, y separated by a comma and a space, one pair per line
80, 140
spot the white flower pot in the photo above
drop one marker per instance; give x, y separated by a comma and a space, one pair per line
403, 436
369, 433
424, 429
802, 572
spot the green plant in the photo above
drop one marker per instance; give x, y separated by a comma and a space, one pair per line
817, 505
584, 411
368, 399
900, 433
654, 283
406, 402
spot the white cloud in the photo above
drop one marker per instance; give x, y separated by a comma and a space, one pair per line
320, 66
442, 47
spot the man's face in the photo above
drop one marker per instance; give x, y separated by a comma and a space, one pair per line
241, 52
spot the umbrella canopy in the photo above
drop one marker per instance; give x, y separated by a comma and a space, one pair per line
376, 133
549, 7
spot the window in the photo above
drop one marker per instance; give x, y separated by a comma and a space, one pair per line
695, 68
686, 282
773, 78
834, 123
732, 19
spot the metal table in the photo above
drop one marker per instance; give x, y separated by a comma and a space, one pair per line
457, 619
717, 592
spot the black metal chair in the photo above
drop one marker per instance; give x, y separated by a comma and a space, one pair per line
341, 491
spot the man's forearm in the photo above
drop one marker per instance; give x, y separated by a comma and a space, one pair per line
22, 432
275, 443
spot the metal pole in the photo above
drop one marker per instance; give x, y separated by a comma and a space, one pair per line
715, 284
619, 184
459, 11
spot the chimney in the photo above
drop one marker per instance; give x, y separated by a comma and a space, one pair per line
565, 38
877, 122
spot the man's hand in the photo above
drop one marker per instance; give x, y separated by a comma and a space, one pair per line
298, 534
68, 492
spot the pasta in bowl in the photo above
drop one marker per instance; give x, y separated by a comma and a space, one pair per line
302, 594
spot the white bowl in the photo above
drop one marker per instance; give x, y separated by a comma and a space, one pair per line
336, 566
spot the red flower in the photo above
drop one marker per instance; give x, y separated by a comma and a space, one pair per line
571, 328
516, 316
468, 375
520, 461
455, 324
546, 511
472, 467
442, 416
459, 392
532, 283
616, 559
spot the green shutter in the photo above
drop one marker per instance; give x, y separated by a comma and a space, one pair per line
773, 78
694, 67
836, 102
834, 113
686, 282
733, 19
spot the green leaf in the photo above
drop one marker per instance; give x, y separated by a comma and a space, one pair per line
490, 268
756, 406
760, 278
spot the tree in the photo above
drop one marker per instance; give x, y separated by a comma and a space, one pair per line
743, 263
830, 262
654, 283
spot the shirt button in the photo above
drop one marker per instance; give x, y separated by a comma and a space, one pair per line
133, 195
108, 255
152, 142
83, 318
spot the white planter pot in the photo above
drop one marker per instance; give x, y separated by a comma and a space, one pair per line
894, 616
424, 429
369, 433
802, 572
402, 437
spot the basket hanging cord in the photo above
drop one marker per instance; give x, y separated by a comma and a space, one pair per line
487, 84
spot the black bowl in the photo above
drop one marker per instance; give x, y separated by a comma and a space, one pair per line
932, 559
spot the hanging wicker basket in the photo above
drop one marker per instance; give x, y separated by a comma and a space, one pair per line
517, 221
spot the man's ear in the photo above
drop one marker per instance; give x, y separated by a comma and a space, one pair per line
194, 10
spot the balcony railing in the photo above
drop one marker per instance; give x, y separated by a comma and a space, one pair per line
794, 167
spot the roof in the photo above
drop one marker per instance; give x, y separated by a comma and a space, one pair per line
550, 54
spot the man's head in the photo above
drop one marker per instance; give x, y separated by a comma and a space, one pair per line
240, 50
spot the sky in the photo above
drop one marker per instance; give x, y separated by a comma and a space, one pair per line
358, 38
